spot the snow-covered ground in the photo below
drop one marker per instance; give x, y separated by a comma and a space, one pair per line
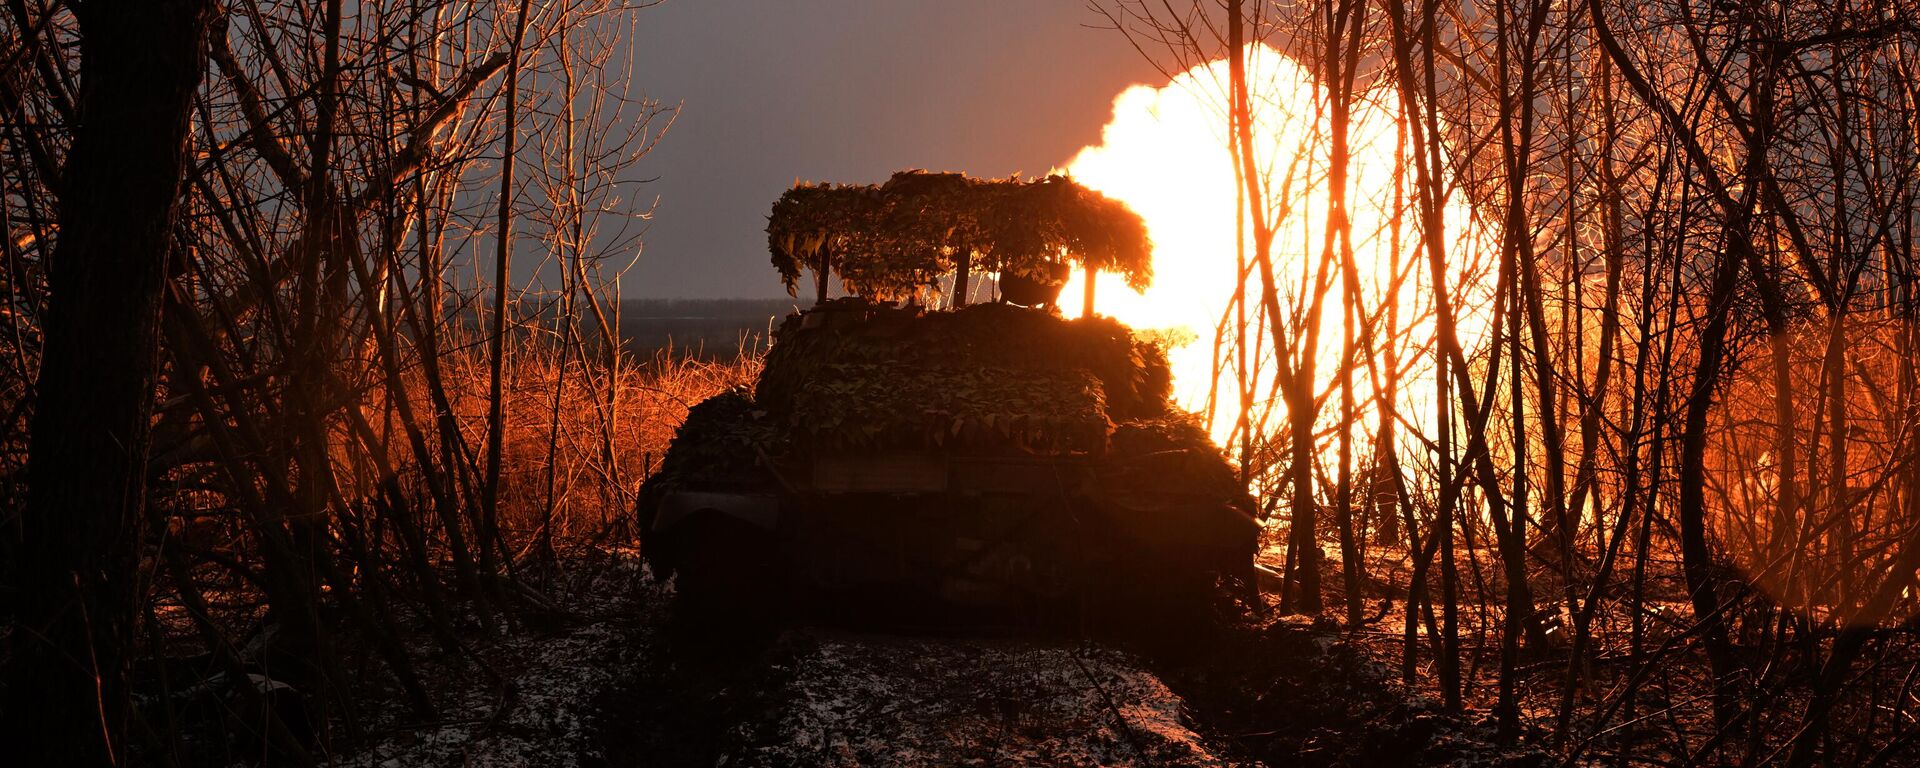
866, 700
543, 711
816, 698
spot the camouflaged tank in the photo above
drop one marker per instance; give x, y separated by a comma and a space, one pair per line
990, 464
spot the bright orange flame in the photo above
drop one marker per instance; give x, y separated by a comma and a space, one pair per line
1165, 154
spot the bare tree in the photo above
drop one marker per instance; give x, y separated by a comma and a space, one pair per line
75, 553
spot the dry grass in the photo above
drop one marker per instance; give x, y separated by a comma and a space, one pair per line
573, 458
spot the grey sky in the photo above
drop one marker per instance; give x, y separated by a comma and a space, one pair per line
849, 91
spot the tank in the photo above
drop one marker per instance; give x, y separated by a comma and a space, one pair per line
991, 465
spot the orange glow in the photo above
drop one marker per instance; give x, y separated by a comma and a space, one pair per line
1165, 153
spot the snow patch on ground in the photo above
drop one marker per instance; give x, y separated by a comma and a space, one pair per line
543, 709
815, 698
882, 701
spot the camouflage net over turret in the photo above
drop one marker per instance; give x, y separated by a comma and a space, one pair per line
892, 240
1134, 379
859, 377
876, 406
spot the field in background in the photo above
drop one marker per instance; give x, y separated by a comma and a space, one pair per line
707, 327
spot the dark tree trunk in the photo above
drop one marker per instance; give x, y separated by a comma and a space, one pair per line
962, 270
821, 275
76, 551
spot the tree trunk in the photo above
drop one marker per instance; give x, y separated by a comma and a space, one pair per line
1086, 308
821, 274
962, 267
489, 535
76, 551
1301, 588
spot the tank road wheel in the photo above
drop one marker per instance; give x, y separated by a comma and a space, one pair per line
725, 583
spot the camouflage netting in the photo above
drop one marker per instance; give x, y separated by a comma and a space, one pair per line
1175, 445
892, 240
722, 440
851, 407
855, 377
1133, 374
